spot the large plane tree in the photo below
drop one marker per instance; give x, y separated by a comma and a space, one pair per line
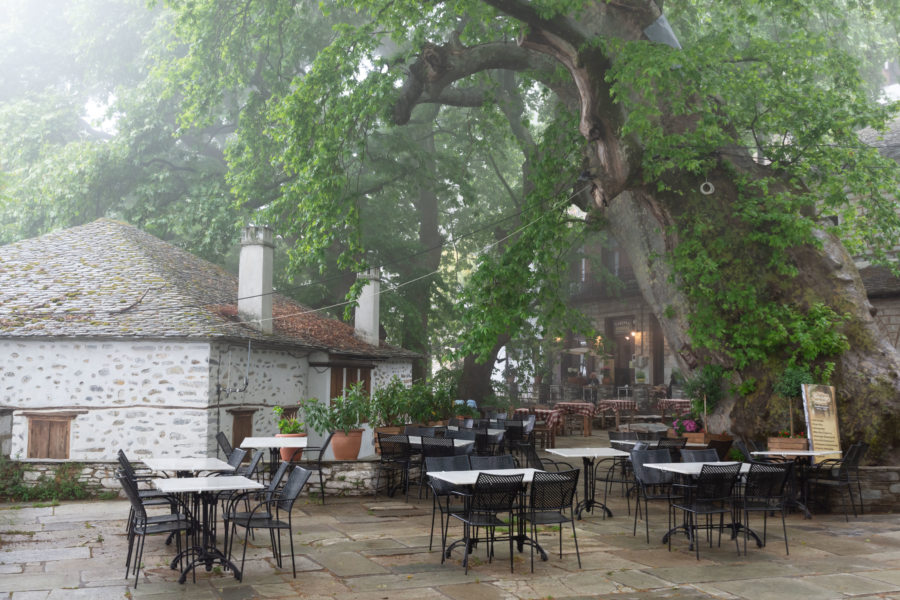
723, 158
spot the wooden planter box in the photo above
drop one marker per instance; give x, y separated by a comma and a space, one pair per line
782, 444
391, 430
702, 437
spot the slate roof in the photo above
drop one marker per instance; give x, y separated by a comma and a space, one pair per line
110, 279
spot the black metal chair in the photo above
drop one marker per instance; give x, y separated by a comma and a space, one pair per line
705, 455
670, 444
148, 497
619, 471
650, 484
395, 461
708, 495
765, 491
484, 442
550, 498
491, 496
442, 492
231, 508
488, 463
312, 460
275, 515
224, 444
534, 461
841, 473
513, 436
141, 525
434, 447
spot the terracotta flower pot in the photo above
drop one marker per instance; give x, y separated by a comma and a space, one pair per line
346, 445
289, 454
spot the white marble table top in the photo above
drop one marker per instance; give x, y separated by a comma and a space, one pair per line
653, 443
587, 452
490, 431
416, 440
795, 452
274, 442
471, 476
692, 468
187, 464
226, 483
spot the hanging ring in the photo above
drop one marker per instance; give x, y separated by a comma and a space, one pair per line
706, 188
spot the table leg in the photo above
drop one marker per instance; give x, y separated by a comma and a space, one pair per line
206, 553
589, 501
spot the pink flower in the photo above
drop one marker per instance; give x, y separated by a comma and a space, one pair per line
691, 426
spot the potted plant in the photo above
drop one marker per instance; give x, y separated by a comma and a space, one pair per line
288, 426
690, 428
390, 407
605, 377
705, 389
343, 416
640, 377
788, 388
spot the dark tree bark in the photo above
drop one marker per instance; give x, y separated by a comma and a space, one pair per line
867, 376
475, 383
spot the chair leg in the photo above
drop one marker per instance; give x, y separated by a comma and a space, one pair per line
575, 537
291, 539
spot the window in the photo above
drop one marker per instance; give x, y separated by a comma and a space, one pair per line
48, 434
344, 377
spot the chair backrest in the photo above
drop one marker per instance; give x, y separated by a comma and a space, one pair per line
249, 470
849, 464
532, 460
479, 423
529, 423
742, 447
721, 447
462, 434
468, 423
224, 444
394, 447
646, 476
447, 463
132, 493
125, 464
277, 476
705, 455
412, 430
500, 415
668, 442
495, 493
766, 480
433, 446
482, 441
292, 488
515, 432
716, 482
623, 435
503, 461
427, 431
236, 457
453, 422
553, 491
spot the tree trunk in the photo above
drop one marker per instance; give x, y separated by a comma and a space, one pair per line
475, 383
867, 376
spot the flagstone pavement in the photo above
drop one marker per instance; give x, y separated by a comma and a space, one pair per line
365, 549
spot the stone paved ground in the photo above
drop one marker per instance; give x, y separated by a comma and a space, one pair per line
360, 549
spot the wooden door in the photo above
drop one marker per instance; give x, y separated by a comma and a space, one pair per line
48, 437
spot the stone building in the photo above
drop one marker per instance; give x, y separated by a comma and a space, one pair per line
111, 338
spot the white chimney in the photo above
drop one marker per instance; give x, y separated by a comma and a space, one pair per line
255, 277
366, 318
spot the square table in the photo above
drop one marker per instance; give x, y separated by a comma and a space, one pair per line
469, 478
588, 456
693, 469
617, 406
586, 410
459, 446
207, 488
800, 472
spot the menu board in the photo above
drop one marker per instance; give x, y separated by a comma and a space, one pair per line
820, 407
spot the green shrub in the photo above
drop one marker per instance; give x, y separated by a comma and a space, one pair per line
63, 484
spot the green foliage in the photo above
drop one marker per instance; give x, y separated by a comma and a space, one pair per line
287, 424
788, 384
707, 384
63, 484
343, 413
389, 404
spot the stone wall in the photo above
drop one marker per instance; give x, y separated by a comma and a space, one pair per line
385, 371
149, 397
881, 485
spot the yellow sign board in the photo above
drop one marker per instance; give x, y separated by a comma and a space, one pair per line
820, 407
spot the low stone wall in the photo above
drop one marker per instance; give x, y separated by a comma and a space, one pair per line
342, 478
881, 485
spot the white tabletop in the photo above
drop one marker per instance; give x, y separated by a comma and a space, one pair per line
795, 452
416, 440
490, 431
274, 442
470, 477
692, 468
225, 483
653, 443
187, 464
587, 452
